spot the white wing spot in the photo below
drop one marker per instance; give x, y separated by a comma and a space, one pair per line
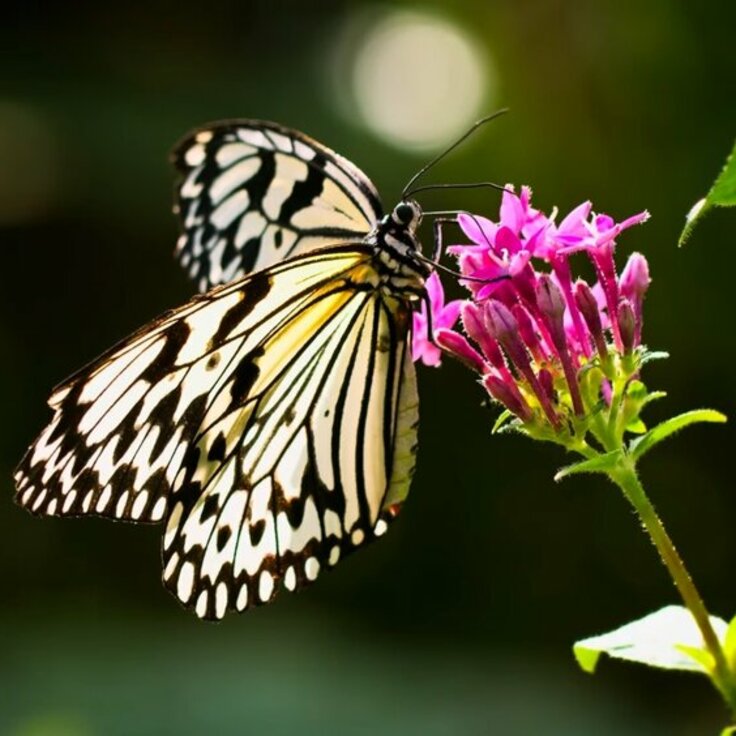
220, 600
69, 501
122, 503
290, 578
265, 586
242, 600
173, 526
311, 568
104, 499
204, 136
157, 513
334, 555
51, 508
380, 528
201, 607
357, 537
195, 155
87, 502
171, 566
139, 504
185, 583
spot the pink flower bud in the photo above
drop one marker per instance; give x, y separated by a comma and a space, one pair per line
529, 333
472, 318
512, 400
550, 300
552, 306
547, 383
588, 307
502, 326
635, 280
627, 325
460, 348
633, 284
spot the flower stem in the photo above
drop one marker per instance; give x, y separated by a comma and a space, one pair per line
625, 476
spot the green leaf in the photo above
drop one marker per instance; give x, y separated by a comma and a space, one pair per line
668, 638
729, 644
598, 464
641, 445
729, 731
722, 194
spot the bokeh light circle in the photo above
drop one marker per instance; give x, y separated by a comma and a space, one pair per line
418, 80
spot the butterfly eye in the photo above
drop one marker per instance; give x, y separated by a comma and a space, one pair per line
404, 213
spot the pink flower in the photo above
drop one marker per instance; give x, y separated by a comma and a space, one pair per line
534, 336
443, 318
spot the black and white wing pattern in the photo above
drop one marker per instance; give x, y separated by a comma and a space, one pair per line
253, 193
271, 423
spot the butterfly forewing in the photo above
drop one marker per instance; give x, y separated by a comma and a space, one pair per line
272, 421
253, 193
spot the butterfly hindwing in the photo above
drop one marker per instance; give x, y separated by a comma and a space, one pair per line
272, 422
253, 193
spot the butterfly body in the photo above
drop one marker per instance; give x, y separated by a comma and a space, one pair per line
270, 423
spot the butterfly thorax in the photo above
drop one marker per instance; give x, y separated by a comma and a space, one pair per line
397, 250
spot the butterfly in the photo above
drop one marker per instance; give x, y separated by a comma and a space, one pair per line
270, 423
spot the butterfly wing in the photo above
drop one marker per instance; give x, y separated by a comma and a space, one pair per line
271, 421
253, 193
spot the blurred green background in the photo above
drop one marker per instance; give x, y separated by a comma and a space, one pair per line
461, 620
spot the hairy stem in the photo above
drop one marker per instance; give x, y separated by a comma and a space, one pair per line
626, 478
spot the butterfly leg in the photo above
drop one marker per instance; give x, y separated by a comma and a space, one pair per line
437, 227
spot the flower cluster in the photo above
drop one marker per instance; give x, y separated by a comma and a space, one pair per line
549, 348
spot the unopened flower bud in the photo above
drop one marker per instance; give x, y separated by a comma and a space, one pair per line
627, 325
502, 326
551, 304
513, 401
635, 279
633, 284
588, 307
460, 348
528, 332
550, 300
472, 318
547, 383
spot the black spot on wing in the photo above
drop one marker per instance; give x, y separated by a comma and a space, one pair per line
259, 284
223, 535
245, 374
304, 192
217, 450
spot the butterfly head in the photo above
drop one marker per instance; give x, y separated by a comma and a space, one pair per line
407, 215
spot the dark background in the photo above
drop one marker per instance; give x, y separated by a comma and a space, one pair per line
462, 619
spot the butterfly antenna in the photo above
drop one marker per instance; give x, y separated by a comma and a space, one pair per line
451, 148
458, 185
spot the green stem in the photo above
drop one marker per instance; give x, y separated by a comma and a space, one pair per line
626, 478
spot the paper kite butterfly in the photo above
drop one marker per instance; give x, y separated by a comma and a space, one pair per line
271, 421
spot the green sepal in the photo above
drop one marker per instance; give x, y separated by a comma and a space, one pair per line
648, 356
636, 426
729, 644
604, 463
653, 396
641, 445
721, 194
668, 639
702, 656
504, 417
